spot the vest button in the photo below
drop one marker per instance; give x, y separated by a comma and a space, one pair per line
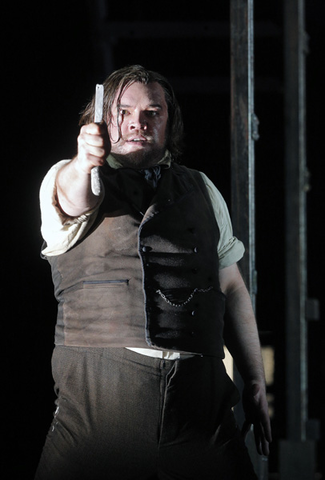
146, 249
193, 313
195, 249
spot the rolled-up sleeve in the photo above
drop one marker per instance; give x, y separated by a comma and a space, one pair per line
230, 249
60, 231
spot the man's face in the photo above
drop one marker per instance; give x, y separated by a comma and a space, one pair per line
142, 115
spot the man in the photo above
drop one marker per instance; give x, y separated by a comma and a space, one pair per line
144, 274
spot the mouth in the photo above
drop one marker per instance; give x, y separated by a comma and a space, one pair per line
140, 139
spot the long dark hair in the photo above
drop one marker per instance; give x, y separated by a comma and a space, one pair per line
116, 84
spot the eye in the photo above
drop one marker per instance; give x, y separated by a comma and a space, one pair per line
123, 112
152, 113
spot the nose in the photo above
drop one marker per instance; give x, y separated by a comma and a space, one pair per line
138, 122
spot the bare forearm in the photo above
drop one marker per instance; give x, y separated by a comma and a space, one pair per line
241, 336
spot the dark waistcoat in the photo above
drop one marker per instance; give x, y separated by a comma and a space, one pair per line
146, 275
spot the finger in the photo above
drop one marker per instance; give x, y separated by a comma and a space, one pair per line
265, 421
94, 128
93, 144
258, 443
262, 444
266, 425
267, 431
95, 140
96, 155
265, 447
95, 161
266, 438
91, 147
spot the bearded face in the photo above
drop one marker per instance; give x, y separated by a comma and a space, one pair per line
138, 126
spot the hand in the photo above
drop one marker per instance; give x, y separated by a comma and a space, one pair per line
256, 413
93, 147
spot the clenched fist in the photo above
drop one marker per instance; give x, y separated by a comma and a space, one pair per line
93, 146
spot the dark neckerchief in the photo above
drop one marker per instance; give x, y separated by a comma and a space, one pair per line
152, 175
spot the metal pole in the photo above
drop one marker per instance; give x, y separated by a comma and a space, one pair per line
297, 453
243, 124
295, 166
243, 135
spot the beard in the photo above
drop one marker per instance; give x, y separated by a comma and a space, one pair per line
142, 158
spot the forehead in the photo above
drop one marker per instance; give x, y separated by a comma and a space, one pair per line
137, 93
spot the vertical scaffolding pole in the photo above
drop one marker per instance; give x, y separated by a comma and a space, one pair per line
296, 452
295, 166
243, 135
242, 138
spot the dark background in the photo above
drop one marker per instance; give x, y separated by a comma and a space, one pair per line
51, 64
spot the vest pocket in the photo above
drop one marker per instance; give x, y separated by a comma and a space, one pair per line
104, 283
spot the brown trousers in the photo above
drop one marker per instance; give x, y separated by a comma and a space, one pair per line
123, 416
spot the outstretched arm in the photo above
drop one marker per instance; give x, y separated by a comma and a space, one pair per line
242, 340
73, 181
